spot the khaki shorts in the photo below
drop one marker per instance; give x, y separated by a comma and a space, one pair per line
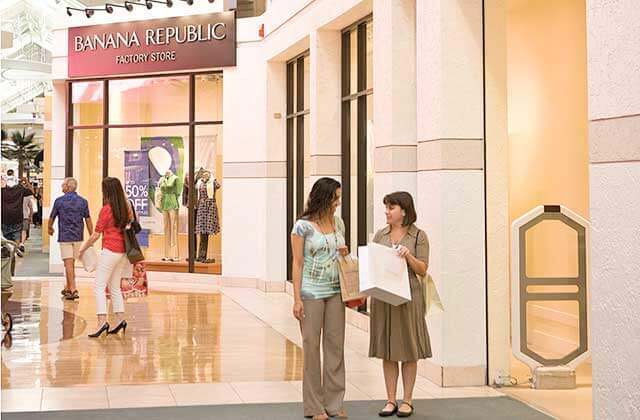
70, 250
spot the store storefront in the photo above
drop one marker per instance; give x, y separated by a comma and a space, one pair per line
161, 135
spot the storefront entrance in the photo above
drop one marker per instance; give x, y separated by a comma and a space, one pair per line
151, 132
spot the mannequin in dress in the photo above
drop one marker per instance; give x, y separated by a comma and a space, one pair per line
207, 213
168, 186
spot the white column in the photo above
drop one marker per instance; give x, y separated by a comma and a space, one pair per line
394, 89
325, 100
450, 183
614, 114
57, 152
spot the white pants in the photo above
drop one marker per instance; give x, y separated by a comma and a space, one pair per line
109, 272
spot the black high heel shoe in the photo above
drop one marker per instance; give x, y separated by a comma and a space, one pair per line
121, 326
104, 328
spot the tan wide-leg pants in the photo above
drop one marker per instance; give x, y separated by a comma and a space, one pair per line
171, 234
323, 387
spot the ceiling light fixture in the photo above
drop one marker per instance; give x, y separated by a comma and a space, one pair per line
168, 3
109, 7
89, 12
189, 2
129, 4
69, 9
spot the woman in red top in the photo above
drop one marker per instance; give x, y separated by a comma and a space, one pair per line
114, 217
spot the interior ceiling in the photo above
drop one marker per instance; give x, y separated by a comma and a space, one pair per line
94, 3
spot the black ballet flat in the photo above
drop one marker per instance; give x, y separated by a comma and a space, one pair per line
121, 326
104, 328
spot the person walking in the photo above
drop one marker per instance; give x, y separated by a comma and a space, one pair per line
72, 212
14, 198
399, 333
27, 213
316, 240
115, 215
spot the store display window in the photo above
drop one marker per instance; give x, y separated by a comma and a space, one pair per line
153, 133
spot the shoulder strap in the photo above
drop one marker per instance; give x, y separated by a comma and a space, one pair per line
133, 210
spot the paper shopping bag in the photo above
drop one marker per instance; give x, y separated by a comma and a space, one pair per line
90, 260
349, 278
383, 274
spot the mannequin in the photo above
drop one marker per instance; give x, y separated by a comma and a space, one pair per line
207, 222
168, 186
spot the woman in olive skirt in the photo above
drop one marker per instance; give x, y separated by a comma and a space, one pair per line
399, 333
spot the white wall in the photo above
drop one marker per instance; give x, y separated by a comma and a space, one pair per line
614, 109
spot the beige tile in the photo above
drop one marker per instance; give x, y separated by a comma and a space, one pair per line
78, 398
266, 392
14, 400
125, 396
201, 394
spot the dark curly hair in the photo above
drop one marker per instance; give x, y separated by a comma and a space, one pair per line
322, 195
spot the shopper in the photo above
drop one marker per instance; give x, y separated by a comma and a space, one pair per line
316, 240
27, 213
14, 196
37, 218
399, 333
114, 217
72, 212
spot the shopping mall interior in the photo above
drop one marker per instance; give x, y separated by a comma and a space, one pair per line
513, 124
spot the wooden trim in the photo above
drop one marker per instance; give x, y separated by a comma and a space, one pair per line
358, 94
345, 135
144, 76
300, 135
362, 134
354, 25
192, 148
105, 130
289, 165
143, 125
68, 155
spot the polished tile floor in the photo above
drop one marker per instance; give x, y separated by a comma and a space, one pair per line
228, 346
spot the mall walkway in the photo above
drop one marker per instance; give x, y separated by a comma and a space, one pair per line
35, 262
225, 346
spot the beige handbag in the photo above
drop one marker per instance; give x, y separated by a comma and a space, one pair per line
431, 295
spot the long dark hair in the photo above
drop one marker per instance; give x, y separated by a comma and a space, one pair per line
113, 194
321, 198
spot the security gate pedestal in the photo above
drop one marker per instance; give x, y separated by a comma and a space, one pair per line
558, 372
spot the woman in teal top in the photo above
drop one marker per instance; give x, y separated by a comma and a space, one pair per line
317, 239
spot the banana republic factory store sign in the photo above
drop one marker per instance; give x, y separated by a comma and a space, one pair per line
149, 46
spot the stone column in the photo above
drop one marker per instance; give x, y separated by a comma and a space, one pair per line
451, 183
394, 105
614, 123
57, 153
325, 79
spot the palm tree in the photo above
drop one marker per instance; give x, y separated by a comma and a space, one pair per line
20, 147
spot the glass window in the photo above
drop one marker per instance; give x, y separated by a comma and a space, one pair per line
353, 60
209, 97
207, 197
87, 167
307, 82
369, 55
87, 99
143, 158
149, 100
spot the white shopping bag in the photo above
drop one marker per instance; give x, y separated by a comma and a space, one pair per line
90, 260
383, 274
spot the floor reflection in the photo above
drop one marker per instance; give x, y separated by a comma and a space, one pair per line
172, 338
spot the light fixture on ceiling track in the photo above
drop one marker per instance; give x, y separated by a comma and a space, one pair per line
129, 4
168, 3
189, 2
109, 7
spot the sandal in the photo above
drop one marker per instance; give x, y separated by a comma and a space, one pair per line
342, 414
387, 413
322, 416
405, 413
